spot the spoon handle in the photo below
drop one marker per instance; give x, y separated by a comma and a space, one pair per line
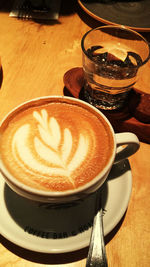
97, 254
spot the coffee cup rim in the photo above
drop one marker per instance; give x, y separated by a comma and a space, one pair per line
12, 181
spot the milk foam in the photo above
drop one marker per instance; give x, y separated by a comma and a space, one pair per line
52, 145
55, 146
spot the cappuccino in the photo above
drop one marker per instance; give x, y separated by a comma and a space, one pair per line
55, 144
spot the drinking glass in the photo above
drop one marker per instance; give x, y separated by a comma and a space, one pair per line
112, 56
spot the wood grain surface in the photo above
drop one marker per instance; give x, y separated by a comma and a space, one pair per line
34, 57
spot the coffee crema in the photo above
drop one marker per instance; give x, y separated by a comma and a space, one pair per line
55, 146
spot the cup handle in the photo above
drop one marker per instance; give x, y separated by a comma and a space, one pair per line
131, 142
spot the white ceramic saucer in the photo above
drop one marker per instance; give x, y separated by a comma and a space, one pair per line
58, 229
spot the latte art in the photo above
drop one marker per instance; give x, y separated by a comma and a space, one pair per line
48, 148
56, 146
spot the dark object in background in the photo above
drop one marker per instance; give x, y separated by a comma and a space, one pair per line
139, 106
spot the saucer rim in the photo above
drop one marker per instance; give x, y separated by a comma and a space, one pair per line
74, 243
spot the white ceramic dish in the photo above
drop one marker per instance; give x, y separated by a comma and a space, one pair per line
59, 229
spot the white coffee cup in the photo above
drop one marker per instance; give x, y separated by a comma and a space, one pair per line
123, 145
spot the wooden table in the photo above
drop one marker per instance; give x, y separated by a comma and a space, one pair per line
35, 57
